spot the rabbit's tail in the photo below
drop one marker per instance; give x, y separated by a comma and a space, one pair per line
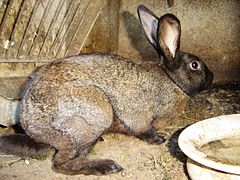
23, 146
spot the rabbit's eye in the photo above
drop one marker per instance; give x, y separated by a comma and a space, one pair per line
194, 65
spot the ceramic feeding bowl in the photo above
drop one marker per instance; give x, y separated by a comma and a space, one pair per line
213, 148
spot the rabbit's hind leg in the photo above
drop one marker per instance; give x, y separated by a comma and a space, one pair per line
82, 165
82, 117
70, 158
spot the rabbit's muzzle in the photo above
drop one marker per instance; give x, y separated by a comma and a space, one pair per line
209, 79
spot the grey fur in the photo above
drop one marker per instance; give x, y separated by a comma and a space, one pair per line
69, 103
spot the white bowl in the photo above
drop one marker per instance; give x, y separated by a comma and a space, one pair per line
195, 136
197, 171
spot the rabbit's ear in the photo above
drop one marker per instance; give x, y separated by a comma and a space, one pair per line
149, 22
169, 36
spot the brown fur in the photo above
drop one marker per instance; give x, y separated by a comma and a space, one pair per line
23, 146
69, 103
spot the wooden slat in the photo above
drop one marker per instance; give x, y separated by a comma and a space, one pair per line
3, 6
85, 27
50, 12
72, 28
40, 29
59, 29
18, 69
46, 29
52, 29
69, 15
32, 27
7, 25
20, 28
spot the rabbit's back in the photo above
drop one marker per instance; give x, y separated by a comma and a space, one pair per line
137, 92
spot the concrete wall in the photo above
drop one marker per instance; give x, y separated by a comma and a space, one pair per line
210, 29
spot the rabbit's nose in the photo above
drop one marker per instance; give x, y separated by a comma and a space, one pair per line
209, 79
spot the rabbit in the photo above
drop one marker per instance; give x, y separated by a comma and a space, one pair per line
70, 102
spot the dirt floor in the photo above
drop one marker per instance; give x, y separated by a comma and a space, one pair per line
140, 160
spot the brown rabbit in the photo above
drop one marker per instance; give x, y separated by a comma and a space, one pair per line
69, 103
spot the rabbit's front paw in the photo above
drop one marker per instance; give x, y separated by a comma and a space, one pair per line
152, 137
